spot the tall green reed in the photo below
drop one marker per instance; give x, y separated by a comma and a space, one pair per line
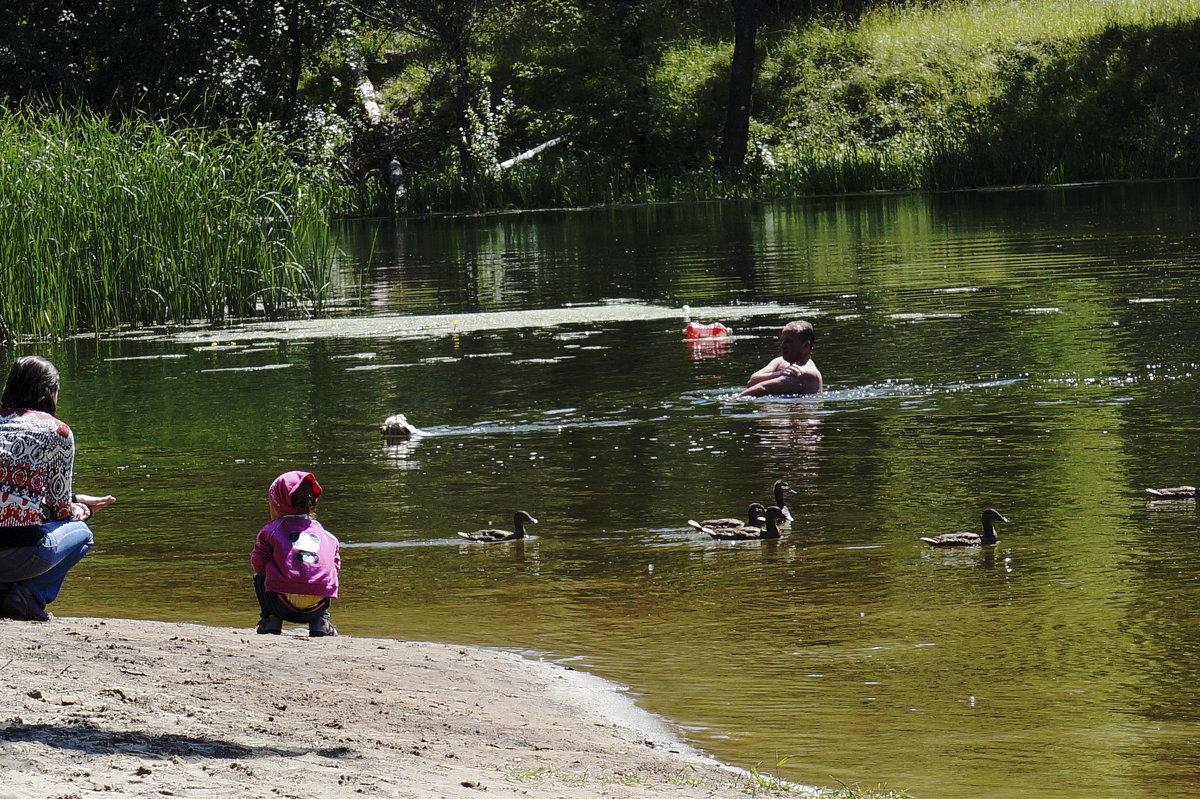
105, 223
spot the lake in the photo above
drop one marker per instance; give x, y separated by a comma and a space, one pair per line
1034, 351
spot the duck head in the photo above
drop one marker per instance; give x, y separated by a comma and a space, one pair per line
519, 519
991, 515
773, 517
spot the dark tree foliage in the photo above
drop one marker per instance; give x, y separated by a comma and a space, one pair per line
231, 58
618, 26
454, 29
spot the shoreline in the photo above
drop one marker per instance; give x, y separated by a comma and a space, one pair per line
144, 708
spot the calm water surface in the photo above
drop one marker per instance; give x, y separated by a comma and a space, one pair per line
1031, 351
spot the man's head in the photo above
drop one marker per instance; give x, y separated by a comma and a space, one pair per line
796, 341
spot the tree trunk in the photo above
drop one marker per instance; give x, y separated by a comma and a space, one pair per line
632, 47
462, 101
741, 80
296, 61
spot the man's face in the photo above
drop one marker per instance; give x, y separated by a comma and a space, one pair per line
793, 348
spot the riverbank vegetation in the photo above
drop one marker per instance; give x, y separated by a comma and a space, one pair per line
440, 104
138, 221
934, 95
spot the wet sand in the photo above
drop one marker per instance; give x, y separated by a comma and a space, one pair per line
138, 708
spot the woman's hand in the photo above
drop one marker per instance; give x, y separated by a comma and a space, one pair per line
95, 502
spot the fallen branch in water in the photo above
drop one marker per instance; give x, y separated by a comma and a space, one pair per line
525, 156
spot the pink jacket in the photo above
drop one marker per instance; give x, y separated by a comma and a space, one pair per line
299, 556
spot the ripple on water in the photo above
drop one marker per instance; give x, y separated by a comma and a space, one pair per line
167, 355
923, 317
375, 367
263, 368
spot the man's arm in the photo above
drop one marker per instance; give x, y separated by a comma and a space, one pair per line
767, 372
790, 380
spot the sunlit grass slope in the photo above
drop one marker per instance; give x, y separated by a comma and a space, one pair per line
984, 93
107, 223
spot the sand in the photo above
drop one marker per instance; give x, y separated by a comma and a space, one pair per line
138, 708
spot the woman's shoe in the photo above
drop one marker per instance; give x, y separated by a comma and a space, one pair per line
21, 603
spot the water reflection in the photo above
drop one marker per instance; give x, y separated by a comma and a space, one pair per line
401, 454
996, 350
699, 349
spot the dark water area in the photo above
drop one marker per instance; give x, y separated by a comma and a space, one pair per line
1033, 351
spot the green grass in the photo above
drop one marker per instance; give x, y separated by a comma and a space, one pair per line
982, 93
974, 25
135, 222
857, 792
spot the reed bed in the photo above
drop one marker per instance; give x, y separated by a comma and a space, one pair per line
109, 223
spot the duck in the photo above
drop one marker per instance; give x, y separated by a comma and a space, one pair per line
1178, 492
969, 539
754, 515
398, 426
781, 488
769, 531
492, 536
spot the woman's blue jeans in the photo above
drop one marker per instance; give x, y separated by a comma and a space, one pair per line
43, 567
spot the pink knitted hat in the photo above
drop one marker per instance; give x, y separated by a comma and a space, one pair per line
285, 485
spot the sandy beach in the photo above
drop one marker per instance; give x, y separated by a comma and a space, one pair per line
139, 708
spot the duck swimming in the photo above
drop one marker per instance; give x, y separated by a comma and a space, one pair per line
968, 539
491, 536
754, 515
767, 532
781, 488
1178, 492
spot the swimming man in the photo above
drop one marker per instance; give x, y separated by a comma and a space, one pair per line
794, 371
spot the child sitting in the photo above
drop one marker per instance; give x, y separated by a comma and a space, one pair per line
295, 560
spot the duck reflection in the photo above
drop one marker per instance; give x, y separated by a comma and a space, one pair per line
523, 554
986, 558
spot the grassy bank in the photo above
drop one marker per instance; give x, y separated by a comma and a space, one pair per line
986, 93
941, 95
108, 223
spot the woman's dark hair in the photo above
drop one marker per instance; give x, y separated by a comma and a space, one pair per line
32, 381
303, 498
